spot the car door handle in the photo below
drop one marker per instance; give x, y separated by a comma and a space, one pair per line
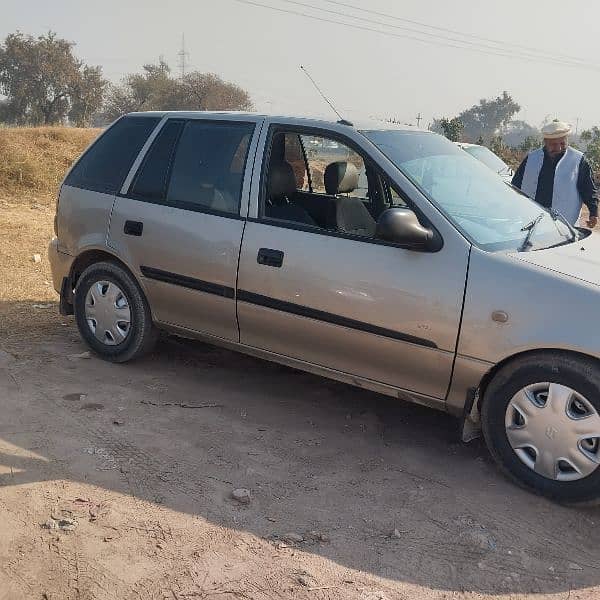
133, 228
270, 258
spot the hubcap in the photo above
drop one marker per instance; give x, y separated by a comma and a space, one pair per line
555, 431
107, 313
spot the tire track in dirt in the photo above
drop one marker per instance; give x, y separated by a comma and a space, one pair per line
73, 576
146, 473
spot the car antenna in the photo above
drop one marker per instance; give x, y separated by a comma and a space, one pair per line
342, 121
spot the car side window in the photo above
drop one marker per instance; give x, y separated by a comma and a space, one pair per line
151, 182
208, 167
393, 198
105, 165
238, 162
322, 183
322, 151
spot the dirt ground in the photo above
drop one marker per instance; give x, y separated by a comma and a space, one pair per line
353, 495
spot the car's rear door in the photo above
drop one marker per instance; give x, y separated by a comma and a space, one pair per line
179, 219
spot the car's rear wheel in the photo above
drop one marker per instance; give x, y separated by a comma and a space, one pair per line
541, 421
112, 314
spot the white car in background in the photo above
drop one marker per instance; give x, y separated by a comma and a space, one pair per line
489, 159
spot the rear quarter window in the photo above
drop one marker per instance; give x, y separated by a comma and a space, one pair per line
105, 165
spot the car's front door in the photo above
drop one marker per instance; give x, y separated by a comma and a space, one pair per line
316, 285
178, 225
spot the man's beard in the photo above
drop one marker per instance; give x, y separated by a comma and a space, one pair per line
556, 154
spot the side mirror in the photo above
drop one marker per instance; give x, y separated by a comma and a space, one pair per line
401, 226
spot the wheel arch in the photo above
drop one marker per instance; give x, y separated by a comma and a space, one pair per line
90, 257
541, 352
470, 420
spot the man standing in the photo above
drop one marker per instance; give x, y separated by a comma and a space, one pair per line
558, 176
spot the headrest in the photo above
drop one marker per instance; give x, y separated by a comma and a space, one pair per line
282, 182
340, 178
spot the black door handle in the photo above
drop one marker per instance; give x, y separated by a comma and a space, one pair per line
270, 258
133, 228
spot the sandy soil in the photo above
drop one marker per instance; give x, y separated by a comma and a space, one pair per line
353, 495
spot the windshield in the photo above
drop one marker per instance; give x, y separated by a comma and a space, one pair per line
487, 157
492, 214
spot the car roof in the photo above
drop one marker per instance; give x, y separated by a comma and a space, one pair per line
369, 124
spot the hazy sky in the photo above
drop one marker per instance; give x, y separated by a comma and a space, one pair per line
364, 72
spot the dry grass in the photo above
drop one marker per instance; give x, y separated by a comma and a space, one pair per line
25, 232
33, 161
28, 302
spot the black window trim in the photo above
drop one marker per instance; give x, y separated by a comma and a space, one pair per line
334, 135
185, 205
106, 190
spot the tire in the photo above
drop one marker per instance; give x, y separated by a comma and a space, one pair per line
94, 305
520, 385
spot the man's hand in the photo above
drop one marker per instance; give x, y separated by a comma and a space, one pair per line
592, 222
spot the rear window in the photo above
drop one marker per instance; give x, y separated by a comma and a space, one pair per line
105, 165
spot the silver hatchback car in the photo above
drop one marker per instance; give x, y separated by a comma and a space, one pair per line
386, 258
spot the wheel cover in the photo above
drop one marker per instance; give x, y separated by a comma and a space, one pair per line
555, 431
107, 313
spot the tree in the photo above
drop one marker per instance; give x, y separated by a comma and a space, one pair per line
207, 91
529, 143
518, 132
451, 128
87, 96
6, 112
497, 145
156, 89
153, 89
489, 117
484, 121
592, 139
43, 81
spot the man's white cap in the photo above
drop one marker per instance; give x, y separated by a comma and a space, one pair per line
555, 130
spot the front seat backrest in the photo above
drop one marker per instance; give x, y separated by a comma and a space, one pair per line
351, 214
340, 178
282, 187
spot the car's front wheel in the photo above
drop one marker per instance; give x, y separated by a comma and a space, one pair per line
541, 422
112, 314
